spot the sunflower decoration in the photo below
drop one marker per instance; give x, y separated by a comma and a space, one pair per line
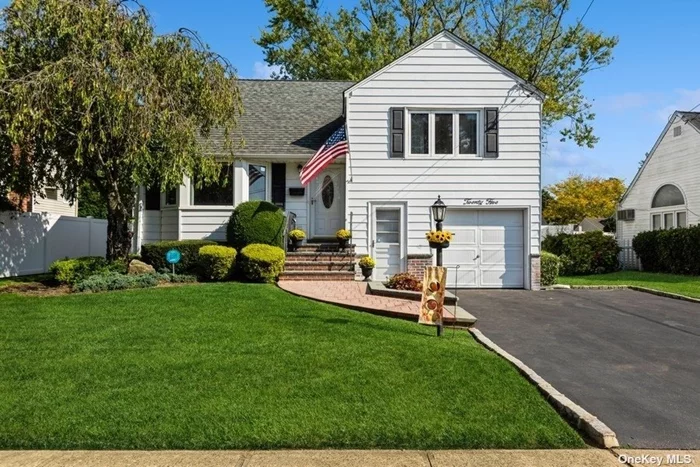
439, 236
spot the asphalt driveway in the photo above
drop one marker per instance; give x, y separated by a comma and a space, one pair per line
630, 358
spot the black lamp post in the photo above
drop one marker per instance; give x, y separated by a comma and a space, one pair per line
439, 210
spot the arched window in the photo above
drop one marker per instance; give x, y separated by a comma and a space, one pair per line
668, 195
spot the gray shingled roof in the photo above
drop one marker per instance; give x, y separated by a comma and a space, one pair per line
692, 118
286, 117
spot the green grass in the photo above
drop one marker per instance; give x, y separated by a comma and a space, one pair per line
673, 283
244, 366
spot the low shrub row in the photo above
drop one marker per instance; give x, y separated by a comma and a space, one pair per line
586, 253
216, 262
115, 281
261, 263
71, 270
154, 254
675, 251
549, 268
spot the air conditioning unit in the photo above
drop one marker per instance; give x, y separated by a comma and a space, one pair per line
625, 215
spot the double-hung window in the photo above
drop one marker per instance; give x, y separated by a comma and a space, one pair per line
441, 133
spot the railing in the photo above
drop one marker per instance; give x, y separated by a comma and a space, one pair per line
290, 223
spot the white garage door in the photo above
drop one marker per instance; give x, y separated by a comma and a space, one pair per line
488, 247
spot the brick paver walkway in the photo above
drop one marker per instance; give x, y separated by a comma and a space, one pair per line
354, 295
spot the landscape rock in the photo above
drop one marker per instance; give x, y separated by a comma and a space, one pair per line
137, 267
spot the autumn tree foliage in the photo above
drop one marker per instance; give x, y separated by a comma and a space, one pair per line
579, 197
89, 91
541, 40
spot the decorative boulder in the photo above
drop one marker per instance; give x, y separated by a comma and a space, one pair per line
137, 267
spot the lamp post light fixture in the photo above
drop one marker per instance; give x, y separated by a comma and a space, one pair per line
439, 209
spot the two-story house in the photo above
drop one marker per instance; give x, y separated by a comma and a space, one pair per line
442, 120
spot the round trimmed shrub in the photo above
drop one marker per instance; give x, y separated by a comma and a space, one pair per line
549, 268
154, 254
216, 262
261, 263
255, 222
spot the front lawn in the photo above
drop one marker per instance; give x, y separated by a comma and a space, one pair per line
245, 366
673, 283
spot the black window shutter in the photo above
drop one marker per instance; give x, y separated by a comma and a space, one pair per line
279, 184
491, 132
397, 128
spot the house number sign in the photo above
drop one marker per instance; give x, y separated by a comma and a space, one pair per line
480, 202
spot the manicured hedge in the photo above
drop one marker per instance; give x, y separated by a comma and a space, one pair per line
586, 253
549, 268
255, 222
675, 251
216, 262
154, 254
261, 263
72, 270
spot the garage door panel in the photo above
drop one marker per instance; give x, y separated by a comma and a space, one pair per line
501, 236
502, 277
463, 236
500, 218
508, 257
454, 256
465, 277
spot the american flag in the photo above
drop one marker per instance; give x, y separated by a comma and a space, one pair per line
334, 147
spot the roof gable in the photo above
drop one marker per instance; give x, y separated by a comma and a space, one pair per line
690, 118
461, 43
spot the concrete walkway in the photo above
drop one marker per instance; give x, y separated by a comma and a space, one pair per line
353, 294
330, 458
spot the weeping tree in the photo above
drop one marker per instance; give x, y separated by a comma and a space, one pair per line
543, 41
89, 92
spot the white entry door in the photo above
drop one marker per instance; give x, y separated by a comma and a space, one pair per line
327, 197
487, 246
387, 242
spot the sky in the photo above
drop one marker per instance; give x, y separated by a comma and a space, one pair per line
656, 70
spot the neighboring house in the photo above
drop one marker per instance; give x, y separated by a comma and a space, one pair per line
442, 120
591, 224
52, 202
665, 193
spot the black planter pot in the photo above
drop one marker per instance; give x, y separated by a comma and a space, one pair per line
295, 245
343, 243
436, 244
366, 273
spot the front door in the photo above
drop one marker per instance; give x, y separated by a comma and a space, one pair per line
387, 242
327, 197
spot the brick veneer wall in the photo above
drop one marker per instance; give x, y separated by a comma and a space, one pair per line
418, 263
535, 272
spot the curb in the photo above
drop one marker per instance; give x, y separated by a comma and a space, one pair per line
638, 289
598, 431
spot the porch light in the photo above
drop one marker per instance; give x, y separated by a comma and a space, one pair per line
439, 209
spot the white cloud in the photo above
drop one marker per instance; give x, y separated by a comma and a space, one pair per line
682, 99
262, 70
626, 101
560, 160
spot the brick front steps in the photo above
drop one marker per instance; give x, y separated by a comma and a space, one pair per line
320, 262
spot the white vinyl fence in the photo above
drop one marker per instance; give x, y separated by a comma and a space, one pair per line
628, 258
30, 242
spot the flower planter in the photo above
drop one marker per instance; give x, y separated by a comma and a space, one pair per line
295, 244
343, 243
436, 244
367, 273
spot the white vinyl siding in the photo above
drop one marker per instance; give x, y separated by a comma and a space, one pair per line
675, 160
59, 205
453, 80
